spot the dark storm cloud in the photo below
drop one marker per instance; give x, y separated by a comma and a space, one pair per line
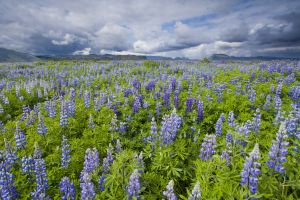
287, 30
190, 28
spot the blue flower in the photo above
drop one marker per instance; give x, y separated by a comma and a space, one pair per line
169, 191
20, 137
67, 189
65, 153
196, 192
87, 187
251, 170
208, 147
134, 185
41, 128
279, 150
7, 189
40, 179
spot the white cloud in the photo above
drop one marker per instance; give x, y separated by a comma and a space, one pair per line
136, 26
85, 51
213, 48
67, 39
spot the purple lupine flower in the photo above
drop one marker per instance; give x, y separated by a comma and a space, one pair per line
279, 117
139, 162
101, 182
123, 127
196, 192
222, 116
51, 109
153, 128
151, 85
278, 103
134, 186
63, 121
71, 108
26, 110
272, 88
231, 119
87, 187
37, 154
30, 119
19, 137
91, 160
91, 122
105, 169
158, 109
208, 147
294, 93
252, 95
219, 91
10, 155
87, 99
251, 170
219, 127
208, 97
105, 166
67, 189
189, 104
278, 89
41, 127
40, 179
27, 165
136, 84
7, 189
256, 121
136, 104
291, 125
114, 124
229, 141
239, 89
200, 111
167, 99
173, 83
109, 155
36, 108
176, 99
169, 191
118, 146
170, 125
65, 153
226, 156
279, 150
267, 103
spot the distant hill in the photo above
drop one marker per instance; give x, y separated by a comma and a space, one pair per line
91, 57
224, 57
7, 55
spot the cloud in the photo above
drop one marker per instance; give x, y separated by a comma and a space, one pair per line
178, 28
113, 37
85, 51
230, 48
67, 39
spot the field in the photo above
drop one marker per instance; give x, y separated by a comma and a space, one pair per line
150, 130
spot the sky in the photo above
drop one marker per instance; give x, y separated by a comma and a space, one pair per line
173, 28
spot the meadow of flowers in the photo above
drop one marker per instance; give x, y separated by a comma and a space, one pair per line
150, 130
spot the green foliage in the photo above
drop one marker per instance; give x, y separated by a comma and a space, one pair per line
178, 161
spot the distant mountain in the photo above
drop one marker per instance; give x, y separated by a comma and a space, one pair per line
92, 57
165, 58
7, 55
224, 57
